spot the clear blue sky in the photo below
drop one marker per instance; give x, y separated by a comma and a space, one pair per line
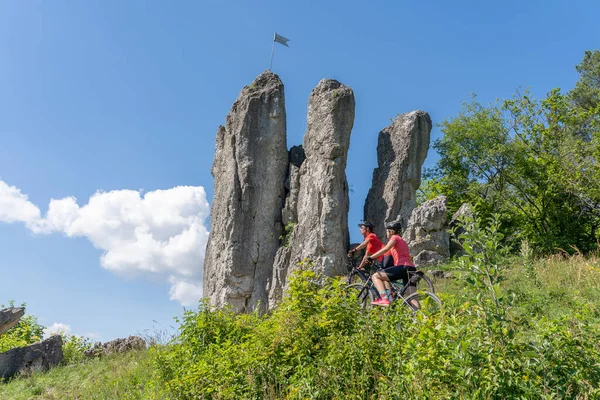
114, 95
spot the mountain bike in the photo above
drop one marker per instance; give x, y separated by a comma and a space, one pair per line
358, 275
418, 294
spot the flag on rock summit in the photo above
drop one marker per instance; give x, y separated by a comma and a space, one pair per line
281, 39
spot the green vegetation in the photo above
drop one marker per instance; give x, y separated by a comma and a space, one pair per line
287, 234
26, 332
123, 376
533, 161
511, 327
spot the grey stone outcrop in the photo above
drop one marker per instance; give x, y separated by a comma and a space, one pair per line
464, 211
321, 230
427, 233
121, 345
36, 357
401, 151
9, 317
249, 168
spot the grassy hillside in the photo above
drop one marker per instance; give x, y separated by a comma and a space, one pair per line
542, 341
126, 376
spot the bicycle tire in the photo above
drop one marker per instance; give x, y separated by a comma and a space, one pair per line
423, 302
362, 294
425, 284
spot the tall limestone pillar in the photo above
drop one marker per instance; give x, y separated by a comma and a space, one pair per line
401, 151
249, 170
321, 229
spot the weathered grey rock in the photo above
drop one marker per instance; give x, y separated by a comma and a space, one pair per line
121, 345
289, 216
10, 317
321, 231
464, 210
292, 185
278, 282
401, 151
426, 233
249, 168
36, 357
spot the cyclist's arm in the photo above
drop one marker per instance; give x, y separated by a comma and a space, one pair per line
387, 247
359, 247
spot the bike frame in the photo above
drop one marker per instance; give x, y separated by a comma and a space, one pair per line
399, 289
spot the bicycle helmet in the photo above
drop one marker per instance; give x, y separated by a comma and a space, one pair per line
394, 226
366, 224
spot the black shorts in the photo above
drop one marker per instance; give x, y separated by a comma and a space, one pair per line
388, 262
399, 272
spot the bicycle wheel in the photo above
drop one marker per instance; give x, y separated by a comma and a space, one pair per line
423, 301
361, 294
423, 283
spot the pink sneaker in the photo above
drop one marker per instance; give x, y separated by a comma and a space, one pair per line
381, 302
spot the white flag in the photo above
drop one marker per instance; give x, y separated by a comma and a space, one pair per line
281, 39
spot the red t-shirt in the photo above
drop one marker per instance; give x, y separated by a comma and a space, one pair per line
400, 252
374, 244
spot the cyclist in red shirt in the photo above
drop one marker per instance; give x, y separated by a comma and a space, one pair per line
371, 242
402, 263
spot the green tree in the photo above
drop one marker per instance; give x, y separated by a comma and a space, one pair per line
586, 93
525, 159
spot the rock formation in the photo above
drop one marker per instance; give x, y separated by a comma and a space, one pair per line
9, 317
272, 209
401, 151
250, 166
321, 231
121, 345
427, 233
464, 210
36, 357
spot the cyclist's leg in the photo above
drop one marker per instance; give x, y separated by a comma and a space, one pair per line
378, 280
388, 262
400, 272
412, 285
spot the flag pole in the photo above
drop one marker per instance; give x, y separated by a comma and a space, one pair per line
272, 51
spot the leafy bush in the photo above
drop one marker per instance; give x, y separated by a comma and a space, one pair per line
73, 348
26, 332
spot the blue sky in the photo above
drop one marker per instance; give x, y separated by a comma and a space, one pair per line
126, 96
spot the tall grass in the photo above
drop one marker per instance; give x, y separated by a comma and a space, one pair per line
121, 376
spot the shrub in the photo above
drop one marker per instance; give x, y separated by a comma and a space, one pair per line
26, 332
73, 348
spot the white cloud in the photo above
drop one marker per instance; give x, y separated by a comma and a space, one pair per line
15, 206
60, 328
161, 233
57, 328
186, 292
